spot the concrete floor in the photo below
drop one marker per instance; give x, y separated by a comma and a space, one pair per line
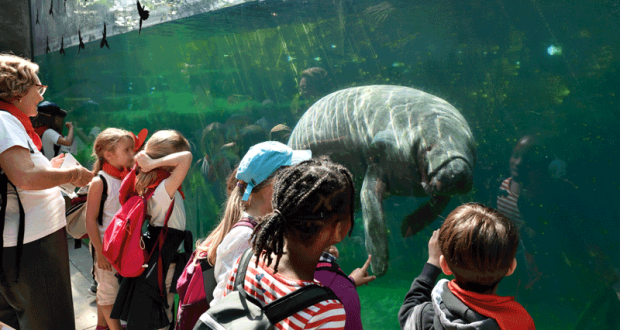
84, 304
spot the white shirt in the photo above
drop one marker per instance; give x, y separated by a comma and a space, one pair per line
49, 140
112, 204
232, 247
44, 209
158, 207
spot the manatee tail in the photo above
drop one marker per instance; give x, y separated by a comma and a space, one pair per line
423, 215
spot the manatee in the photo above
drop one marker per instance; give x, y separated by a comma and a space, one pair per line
396, 141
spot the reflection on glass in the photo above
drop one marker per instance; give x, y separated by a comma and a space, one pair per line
232, 77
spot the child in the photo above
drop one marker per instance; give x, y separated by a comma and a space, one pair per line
50, 120
477, 245
249, 190
250, 199
162, 167
313, 204
114, 150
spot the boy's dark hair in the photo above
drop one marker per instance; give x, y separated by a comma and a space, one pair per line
304, 196
51, 109
479, 245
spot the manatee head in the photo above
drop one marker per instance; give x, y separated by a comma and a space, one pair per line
446, 165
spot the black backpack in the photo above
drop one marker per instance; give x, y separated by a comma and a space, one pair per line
238, 310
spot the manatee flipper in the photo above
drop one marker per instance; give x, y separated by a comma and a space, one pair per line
423, 215
375, 229
373, 188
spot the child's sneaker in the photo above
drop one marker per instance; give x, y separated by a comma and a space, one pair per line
93, 289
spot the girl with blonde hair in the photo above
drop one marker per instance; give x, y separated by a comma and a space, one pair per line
114, 150
162, 167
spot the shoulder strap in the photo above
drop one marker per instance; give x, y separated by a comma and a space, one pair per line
208, 278
243, 267
296, 301
4, 182
290, 304
334, 268
104, 197
246, 222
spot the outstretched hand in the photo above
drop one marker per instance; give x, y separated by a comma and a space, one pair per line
360, 275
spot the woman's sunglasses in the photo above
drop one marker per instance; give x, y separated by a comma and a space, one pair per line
41, 88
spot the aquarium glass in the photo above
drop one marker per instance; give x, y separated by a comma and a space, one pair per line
226, 74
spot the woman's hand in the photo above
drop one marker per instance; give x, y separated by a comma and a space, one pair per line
82, 177
434, 252
360, 275
57, 161
102, 262
145, 162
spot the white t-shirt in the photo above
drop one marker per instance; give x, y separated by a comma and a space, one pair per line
44, 209
158, 207
112, 204
49, 140
232, 247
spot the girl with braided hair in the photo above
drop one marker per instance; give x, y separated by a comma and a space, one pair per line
249, 197
312, 209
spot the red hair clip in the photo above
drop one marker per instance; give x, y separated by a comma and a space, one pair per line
139, 140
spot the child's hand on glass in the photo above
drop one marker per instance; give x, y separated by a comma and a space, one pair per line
434, 252
145, 162
360, 275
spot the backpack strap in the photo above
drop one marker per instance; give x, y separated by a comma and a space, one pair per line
246, 222
4, 181
242, 269
208, 278
288, 305
104, 197
334, 268
296, 301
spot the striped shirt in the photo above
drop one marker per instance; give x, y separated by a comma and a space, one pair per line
265, 286
507, 203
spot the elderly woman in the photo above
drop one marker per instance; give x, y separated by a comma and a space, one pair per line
35, 284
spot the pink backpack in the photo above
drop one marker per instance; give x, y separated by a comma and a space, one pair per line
123, 244
195, 287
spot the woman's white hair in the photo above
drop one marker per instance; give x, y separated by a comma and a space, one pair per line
17, 74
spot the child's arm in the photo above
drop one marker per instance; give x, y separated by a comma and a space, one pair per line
422, 286
93, 202
180, 161
67, 140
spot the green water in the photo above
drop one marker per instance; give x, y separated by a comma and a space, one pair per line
493, 60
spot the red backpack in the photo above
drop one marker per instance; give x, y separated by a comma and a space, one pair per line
195, 286
123, 244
